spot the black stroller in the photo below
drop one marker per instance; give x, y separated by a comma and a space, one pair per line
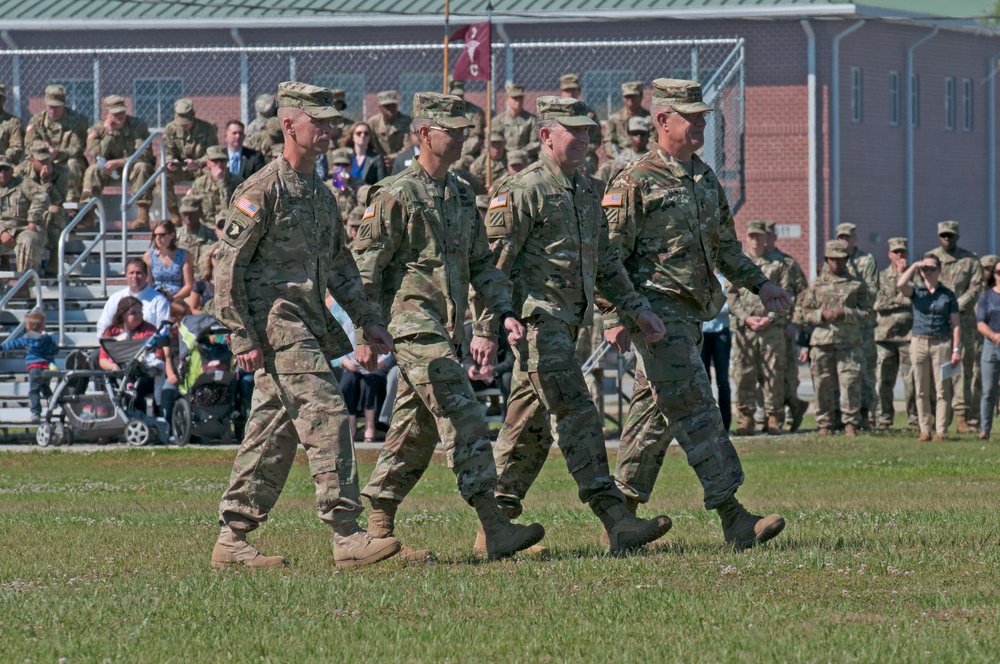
206, 405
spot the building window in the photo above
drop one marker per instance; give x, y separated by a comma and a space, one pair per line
79, 96
915, 100
856, 114
354, 88
602, 89
949, 103
894, 98
967, 104
154, 99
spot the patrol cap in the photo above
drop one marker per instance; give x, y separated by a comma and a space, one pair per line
836, 249
114, 104
989, 260
948, 228
517, 157
681, 95
456, 88
569, 82
638, 123
565, 110
482, 201
446, 110
273, 127
190, 203
339, 94
341, 157
184, 108
363, 193
40, 150
5, 162
355, 215
632, 88
265, 104
314, 101
216, 153
770, 227
55, 95
514, 90
757, 227
898, 244
846, 229
496, 135
388, 97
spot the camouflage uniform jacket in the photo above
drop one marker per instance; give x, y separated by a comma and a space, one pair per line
473, 145
894, 312
478, 171
182, 144
519, 131
611, 166
215, 194
549, 235
862, 265
11, 137
22, 202
832, 292
57, 185
962, 273
120, 144
390, 139
672, 230
265, 143
68, 133
281, 251
420, 245
744, 304
616, 132
796, 277
196, 243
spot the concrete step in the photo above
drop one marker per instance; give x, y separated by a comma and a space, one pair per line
15, 416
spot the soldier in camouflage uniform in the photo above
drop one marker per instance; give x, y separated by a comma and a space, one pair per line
340, 185
498, 164
11, 132
616, 130
894, 318
63, 129
473, 146
185, 141
862, 265
23, 206
638, 134
836, 306
517, 125
110, 143
420, 246
216, 185
569, 86
55, 179
962, 273
281, 252
669, 216
548, 234
390, 127
269, 141
193, 235
759, 355
265, 109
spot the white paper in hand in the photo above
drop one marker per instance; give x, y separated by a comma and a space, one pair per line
948, 371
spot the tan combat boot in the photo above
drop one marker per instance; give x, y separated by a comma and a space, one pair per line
503, 538
774, 425
963, 425
850, 431
632, 505
625, 531
479, 547
742, 529
382, 523
232, 548
141, 222
747, 426
353, 547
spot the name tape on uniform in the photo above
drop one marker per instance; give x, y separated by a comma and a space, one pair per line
498, 202
611, 200
247, 207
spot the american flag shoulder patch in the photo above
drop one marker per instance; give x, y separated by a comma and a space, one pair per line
612, 200
498, 202
247, 207
369, 212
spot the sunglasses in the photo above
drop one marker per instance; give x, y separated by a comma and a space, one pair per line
928, 269
362, 133
452, 132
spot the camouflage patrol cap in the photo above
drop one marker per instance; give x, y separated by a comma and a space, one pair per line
190, 203
565, 110
514, 90
497, 136
5, 162
948, 228
446, 110
633, 88
770, 227
216, 153
989, 261
518, 157
638, 123
314, 101
341, 157
273, 127
40, 150
846, 229
757, 227
456, 88
681, 95
184, 108
569, 82
55, 95
265, 104
114, 104
339, 94
898, 244
836, 249
388, 97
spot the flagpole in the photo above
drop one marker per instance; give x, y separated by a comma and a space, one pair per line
489, 102
447, 14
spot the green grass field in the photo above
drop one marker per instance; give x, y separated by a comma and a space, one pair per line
891, 555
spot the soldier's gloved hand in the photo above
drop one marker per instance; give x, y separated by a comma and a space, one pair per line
380, 340
515, 330
251, 360
484, 352
651, 325
774, 298
619, 338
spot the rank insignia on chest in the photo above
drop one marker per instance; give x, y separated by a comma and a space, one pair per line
369, 212
498, 202
247, 207
612, 200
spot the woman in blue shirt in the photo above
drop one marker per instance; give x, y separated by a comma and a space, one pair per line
367, 166
988, 325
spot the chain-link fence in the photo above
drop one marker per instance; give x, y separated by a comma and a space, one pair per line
224, 81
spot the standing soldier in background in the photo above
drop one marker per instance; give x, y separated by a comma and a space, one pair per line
498, 163
569, 86
63, 129
215, 186
390, 128
638, 135
962, 273
195, 235
281, 252
23, 206
518, 125
863, 266
185, 141
797, 279
836, 306
265, 108
669, 216
616, 131
759, 355
894, 320
11, 131
269, 141
110, 143
55, 179
472, 149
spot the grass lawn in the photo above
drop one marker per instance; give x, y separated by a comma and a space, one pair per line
891, 555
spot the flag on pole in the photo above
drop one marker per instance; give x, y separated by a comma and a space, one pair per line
474, 63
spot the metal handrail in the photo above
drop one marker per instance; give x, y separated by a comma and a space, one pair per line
30, 274
127, 200
65, 272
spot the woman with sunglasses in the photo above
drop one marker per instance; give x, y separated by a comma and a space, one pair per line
170, 269
988, 325
935, 331
367, 165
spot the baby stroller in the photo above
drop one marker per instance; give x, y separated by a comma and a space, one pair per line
74, 414
206, 405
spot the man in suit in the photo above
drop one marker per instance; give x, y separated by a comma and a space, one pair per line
243, 162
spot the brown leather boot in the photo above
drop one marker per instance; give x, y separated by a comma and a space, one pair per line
963, 425
774, 423
141, 221
747, 427
742, 529
382, 523
353, 547
479, 547
233, 549
503, 538
625, 531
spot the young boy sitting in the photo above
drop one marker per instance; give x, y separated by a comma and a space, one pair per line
41, 349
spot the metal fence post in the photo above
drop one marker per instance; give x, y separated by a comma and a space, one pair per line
97, 88
244, 87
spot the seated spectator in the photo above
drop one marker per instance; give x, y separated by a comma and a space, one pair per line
155, 307
170, 270
364, 391
501, 374
367, 165
204, 287
195, 235
40, 351
127, 323
166, 386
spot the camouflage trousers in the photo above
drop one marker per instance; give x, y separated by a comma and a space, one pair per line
672, 397
434, 401
759, 358
95, 179
836, 368
961, 385
893, 361
549, 400
869, 365
27, 246
289, 408
791, 373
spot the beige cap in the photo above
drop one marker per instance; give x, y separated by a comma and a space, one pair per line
633, 88
184, 108
846, 229
898, 244
836, 249
757, 227
216, 153
565, 110
679, 94
115, 104
948, 228
569, 82
514, 90
190, 203
55, 95
446, 110
638, 123
388, 97
314, 101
